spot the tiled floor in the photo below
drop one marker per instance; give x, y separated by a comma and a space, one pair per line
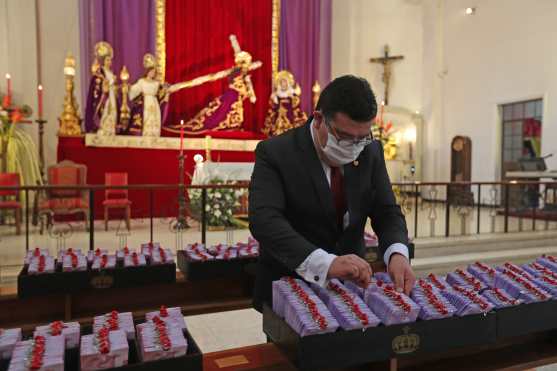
227, 330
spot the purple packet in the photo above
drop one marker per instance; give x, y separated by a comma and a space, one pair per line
433, 305
463, 278
467, 301
483, 272
350, 285
500, 298
382, 276
305, 312
537, 270
438, 282
520, 288
391, 306
348, 308
548, 261
547, 283
515, 269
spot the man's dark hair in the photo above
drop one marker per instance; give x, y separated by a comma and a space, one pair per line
350, 95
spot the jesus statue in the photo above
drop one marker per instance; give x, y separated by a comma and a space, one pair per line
226, 111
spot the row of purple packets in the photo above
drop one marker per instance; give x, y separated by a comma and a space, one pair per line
311, 309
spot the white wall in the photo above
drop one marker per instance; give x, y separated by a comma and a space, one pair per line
18, 53
504, 53
59, 33
457, 68
360, 30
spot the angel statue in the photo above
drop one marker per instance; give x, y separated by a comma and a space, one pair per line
102, 111
149, 101
284, 105
227, 111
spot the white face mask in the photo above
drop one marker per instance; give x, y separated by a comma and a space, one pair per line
341, 154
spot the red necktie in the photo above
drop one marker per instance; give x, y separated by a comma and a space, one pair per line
337, 188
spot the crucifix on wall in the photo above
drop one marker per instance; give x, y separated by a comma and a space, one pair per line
386, 61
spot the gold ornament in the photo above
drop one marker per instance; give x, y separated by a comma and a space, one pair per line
70, 122
103, 49
149, 61
286, 75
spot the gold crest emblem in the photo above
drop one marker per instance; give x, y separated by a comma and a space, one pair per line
407, 343
102, 281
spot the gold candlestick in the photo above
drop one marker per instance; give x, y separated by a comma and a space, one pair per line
208, 147
124, 109
316, 90
70, 122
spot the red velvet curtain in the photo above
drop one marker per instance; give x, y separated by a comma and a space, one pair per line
197, 43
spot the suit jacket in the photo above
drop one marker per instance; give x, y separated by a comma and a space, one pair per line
292, 212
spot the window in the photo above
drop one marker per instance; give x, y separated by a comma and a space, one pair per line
522, 124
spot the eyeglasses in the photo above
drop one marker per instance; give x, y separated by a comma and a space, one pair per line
344, 139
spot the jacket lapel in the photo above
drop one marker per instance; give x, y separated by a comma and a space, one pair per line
315, 169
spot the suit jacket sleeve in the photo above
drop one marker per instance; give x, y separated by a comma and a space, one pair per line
267, 214
386, 217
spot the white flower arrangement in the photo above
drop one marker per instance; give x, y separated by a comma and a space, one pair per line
220, 206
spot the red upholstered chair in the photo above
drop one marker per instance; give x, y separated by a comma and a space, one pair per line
6, 201
116, 198
65, 201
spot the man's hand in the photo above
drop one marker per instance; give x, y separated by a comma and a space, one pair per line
351, 267
401, 273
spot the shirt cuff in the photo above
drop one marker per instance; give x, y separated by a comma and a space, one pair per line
316, 267
397, 248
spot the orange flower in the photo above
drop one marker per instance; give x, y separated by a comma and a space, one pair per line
16, 116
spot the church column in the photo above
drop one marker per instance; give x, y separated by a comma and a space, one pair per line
436, 144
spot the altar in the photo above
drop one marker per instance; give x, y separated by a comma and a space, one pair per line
147, 161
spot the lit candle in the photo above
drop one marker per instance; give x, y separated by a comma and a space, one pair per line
8, 98
40, 96
9, 82
181, 136
381, 114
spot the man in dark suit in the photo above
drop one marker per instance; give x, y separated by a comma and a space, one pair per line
312, 190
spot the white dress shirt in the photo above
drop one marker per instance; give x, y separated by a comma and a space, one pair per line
316, 266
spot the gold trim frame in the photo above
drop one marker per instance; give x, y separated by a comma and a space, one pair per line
160, 38
275, 32
198, 144
160, 12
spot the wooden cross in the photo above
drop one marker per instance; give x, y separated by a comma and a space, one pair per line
386, 61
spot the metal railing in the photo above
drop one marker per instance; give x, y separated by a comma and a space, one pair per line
469, 205
516, 201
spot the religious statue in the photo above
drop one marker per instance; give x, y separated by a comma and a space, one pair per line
227, 111
284, 111
149, 101
101, 113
